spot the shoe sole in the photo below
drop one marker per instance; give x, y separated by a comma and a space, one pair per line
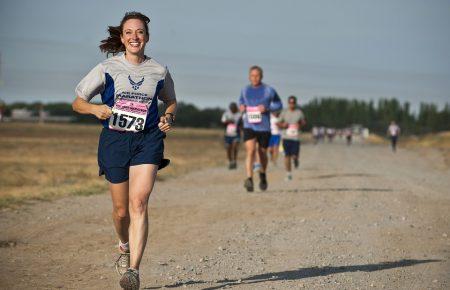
126, 284
249, 188
263, 186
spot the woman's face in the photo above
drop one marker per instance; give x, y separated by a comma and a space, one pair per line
133, 36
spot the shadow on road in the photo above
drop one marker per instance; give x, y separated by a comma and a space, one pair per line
302, 273
340, 175
337, 189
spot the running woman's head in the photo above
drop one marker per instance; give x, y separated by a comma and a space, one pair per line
255, 75
292, 102
233, 107
130, 36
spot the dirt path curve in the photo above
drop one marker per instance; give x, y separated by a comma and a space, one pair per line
354, 217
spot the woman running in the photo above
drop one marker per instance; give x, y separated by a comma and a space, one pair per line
131, 146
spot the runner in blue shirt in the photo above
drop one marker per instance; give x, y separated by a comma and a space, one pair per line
257, 100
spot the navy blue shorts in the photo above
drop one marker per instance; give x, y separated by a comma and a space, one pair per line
117, 151
230, 140
274, 140
291, 147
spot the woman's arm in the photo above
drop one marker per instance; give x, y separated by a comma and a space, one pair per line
166, 121
82, 106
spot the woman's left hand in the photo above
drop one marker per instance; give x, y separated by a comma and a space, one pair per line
165, 123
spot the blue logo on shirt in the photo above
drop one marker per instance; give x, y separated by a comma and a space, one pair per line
135, 85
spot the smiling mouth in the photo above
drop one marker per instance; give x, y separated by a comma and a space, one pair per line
134, 44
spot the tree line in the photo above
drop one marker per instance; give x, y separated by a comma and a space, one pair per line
328, 112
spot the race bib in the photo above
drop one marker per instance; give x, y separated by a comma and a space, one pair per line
292, 130
231, 129
254, 115
128, 116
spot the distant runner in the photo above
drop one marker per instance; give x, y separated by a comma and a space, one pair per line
315, 134
275, 138
292, 120
348, 136
393, 133
257, 100
232, 120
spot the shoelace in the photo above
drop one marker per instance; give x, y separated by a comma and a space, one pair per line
122, 262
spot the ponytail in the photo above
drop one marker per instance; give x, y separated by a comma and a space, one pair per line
113, 44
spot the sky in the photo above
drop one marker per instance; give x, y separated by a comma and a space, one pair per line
353, 49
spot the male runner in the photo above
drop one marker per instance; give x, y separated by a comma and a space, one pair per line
232, 121
291, 120
257, 100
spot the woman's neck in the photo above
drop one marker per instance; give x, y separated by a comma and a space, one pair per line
134, 58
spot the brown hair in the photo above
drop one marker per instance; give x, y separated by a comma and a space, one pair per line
113, 44
258, 68
294, 98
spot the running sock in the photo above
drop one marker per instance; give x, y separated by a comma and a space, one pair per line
124, 246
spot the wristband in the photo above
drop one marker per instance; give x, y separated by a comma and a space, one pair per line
172, 116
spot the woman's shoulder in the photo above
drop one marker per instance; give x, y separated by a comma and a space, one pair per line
156, 65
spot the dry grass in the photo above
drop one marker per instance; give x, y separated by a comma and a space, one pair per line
439, 141
46, 161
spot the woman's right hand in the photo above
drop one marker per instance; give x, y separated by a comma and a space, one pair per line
102, 112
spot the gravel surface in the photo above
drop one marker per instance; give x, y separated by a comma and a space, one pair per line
357, 217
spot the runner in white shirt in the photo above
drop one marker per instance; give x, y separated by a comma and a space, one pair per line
131, 146
393, 133
232, 119
315, 134
275, 137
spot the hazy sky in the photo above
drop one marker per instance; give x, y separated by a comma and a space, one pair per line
361, 49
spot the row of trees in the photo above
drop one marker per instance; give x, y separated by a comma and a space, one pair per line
338, 112
329, 112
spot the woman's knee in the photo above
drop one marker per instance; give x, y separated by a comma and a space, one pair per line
121, 212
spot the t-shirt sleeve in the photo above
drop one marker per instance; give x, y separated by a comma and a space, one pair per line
92, 84
275, 104
224, 117
242, 99
281, 117
301, 116
167, 92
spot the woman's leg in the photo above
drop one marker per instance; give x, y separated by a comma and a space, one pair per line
142, 179
120, 214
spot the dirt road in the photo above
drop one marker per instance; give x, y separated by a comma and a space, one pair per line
356, 217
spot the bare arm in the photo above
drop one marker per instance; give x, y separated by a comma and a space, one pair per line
165, 122
82, 106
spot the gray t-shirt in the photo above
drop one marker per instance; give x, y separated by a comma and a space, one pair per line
134, 88
292, 118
